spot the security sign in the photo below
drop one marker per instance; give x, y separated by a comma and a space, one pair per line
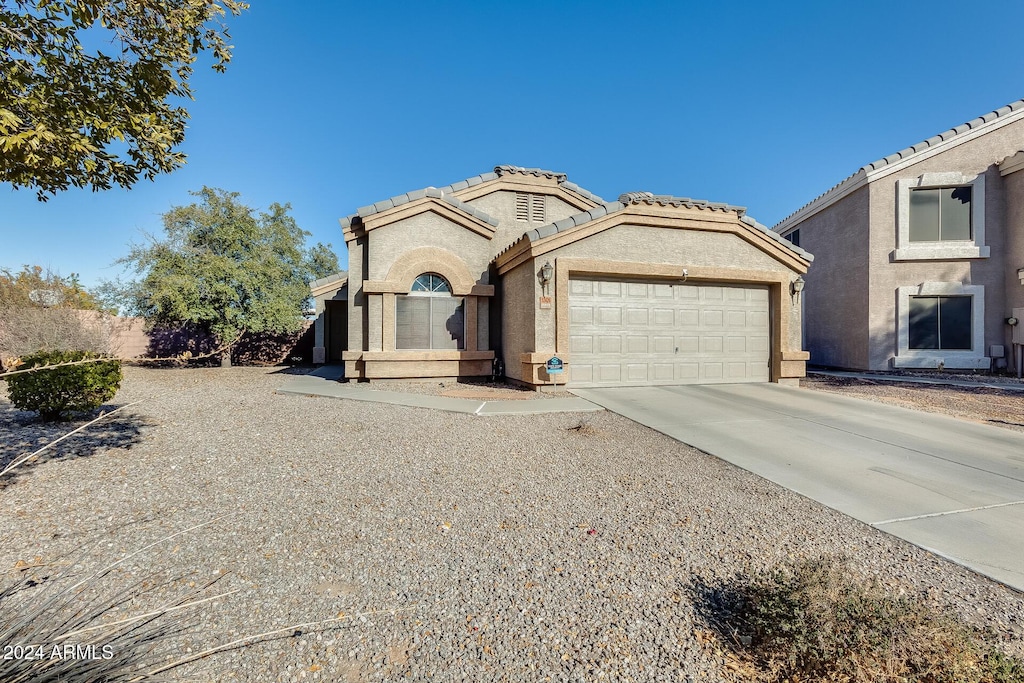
555, 365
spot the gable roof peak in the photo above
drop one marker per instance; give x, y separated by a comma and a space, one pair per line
507, 169
839, 190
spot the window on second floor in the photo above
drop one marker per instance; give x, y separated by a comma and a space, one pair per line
940, 214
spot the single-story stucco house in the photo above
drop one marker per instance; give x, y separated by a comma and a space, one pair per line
519, 265
920, 255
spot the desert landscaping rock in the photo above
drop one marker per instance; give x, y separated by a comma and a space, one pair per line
558, 547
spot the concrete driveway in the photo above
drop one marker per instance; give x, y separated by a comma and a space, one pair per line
950, 486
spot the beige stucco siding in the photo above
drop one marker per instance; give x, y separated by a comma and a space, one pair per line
501, 205
979, 156
1013, 185
389, 242
519, 308
835, 306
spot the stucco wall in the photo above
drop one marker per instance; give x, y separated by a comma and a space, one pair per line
979, 155
835, 306
389, 242
502, 206
1013, 185
518, 310
1013, 259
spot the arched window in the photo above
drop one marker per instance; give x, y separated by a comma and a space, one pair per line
429, 317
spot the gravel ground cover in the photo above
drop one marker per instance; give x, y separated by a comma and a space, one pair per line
980, 404
558, 547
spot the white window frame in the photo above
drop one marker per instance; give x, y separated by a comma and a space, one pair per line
948, 249
972, 359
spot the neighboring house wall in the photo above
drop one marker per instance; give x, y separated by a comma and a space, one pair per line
1013, 188
869, 273
978, 157
835, 304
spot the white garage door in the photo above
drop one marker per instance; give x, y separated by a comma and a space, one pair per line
635, 333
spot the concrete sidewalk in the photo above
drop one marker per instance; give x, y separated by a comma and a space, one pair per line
324, 382
950, 486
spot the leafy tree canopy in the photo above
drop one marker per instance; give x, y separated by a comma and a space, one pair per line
34, 287
86, 87
226, 268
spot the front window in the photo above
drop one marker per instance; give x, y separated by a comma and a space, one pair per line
940, 214
429, 317
940, 322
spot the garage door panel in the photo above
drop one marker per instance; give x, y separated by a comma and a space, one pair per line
662, 317
585, 287
581, 344
637, 317
735, 344
714, 317
609, 344
687, 372
711, 344
637, 345
735, 318
687, 317
581, 315
636, 290
636, 333
609, 315
663, 344
636, 372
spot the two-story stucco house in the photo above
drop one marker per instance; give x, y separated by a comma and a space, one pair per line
919, 255
521, 265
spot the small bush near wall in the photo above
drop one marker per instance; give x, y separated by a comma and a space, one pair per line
815, 621
55, 392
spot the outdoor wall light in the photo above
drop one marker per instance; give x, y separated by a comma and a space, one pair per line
797, 287
544, 276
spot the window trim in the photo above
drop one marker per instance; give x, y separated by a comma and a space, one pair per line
972, 359
940, 250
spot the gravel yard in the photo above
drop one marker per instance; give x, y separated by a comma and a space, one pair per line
998, 407
515, 548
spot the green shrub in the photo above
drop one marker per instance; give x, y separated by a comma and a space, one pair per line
67, 389
815, 621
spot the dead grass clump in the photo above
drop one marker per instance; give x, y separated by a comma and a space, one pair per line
815, 621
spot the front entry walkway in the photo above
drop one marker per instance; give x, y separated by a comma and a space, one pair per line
950, 486
324, 382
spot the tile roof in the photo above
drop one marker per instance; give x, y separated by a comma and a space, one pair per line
910, 151
444, 193
438, 193
560, 177
340, 275
662, 200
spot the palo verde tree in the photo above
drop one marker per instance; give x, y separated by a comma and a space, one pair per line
227, 269
88, 88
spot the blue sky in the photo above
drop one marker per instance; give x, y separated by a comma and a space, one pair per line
334, 105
